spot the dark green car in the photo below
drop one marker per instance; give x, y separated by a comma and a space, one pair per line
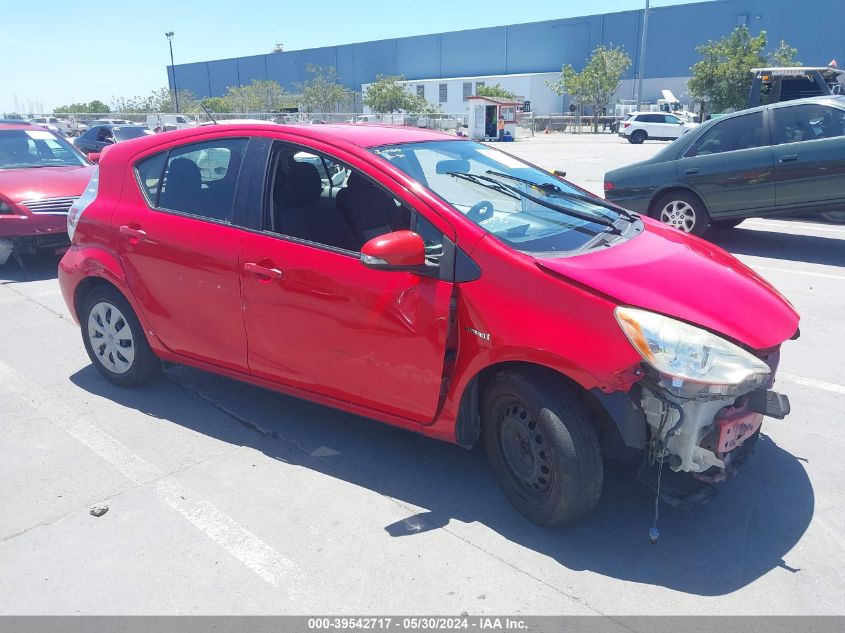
781, 159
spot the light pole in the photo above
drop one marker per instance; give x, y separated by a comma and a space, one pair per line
169, 36
640, 65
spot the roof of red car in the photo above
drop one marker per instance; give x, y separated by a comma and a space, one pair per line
362, 135
373, 135
20, 126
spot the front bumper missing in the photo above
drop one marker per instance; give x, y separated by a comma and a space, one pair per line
703, 436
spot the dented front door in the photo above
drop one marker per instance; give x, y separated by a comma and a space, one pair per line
322, 321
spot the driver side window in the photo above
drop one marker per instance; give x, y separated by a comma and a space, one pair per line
321, 200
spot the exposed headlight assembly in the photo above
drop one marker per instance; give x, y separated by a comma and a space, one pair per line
691, 361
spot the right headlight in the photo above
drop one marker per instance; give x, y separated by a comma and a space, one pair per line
690, 360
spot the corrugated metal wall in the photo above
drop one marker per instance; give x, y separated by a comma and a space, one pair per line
814, 27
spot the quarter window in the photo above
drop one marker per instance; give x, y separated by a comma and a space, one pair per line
742, 132
149, 175
793, 124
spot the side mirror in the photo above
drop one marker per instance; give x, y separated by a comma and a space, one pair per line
94, 157
400, 250
559, 173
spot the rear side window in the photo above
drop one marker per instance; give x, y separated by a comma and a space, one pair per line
198, 179
742, 132
793, 124
650, 118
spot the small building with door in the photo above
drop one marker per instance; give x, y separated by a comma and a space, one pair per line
484, 113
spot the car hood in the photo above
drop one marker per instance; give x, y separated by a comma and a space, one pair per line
44, 182
666, 271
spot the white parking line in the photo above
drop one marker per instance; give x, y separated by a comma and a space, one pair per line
795, 271
811, 382
793, 225
242, 544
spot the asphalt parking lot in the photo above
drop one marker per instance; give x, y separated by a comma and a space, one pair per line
226, 498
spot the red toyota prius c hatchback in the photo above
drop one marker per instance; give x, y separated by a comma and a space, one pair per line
432, 283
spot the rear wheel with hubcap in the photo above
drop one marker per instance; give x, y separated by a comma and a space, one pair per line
114, 338
684, 211
542, 446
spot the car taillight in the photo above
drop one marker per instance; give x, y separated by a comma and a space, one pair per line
609, 186
624, 125
82, 202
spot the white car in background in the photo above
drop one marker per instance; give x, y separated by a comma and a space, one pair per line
167, 122
53, 122
657, 126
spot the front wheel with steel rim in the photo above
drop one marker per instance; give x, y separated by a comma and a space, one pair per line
682, 210
541, 445
114, 339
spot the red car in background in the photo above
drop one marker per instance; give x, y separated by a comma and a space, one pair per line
41, 175
435, 284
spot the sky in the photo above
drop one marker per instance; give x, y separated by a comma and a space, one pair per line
67, 52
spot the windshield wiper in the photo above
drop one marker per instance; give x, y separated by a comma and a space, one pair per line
540, 185
566, 194
496, 185
485, 182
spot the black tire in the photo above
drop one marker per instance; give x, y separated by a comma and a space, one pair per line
687, 214
638, 136
551, 473
726, 224
113, 314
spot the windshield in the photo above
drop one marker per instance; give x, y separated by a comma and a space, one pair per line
36, 148
524, 207
125, 133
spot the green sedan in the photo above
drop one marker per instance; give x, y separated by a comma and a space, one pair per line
786, 158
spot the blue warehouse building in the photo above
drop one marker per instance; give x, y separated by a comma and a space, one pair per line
814, 27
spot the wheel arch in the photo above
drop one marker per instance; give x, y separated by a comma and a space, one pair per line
675, 187
617, 432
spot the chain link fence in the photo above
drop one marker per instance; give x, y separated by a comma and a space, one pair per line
527, 123
575, 124
76, 123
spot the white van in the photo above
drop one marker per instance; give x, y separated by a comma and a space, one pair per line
166, 122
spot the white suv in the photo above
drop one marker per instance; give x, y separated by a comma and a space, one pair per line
659, 126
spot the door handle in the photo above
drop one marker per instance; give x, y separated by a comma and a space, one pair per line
788, 158
263, 271
136, 234
691, 171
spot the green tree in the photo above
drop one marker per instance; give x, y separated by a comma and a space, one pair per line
160, 100
494, 91
722, 78
324, 93
388, 94
259, 96
92, 107
215, 104
596, 84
